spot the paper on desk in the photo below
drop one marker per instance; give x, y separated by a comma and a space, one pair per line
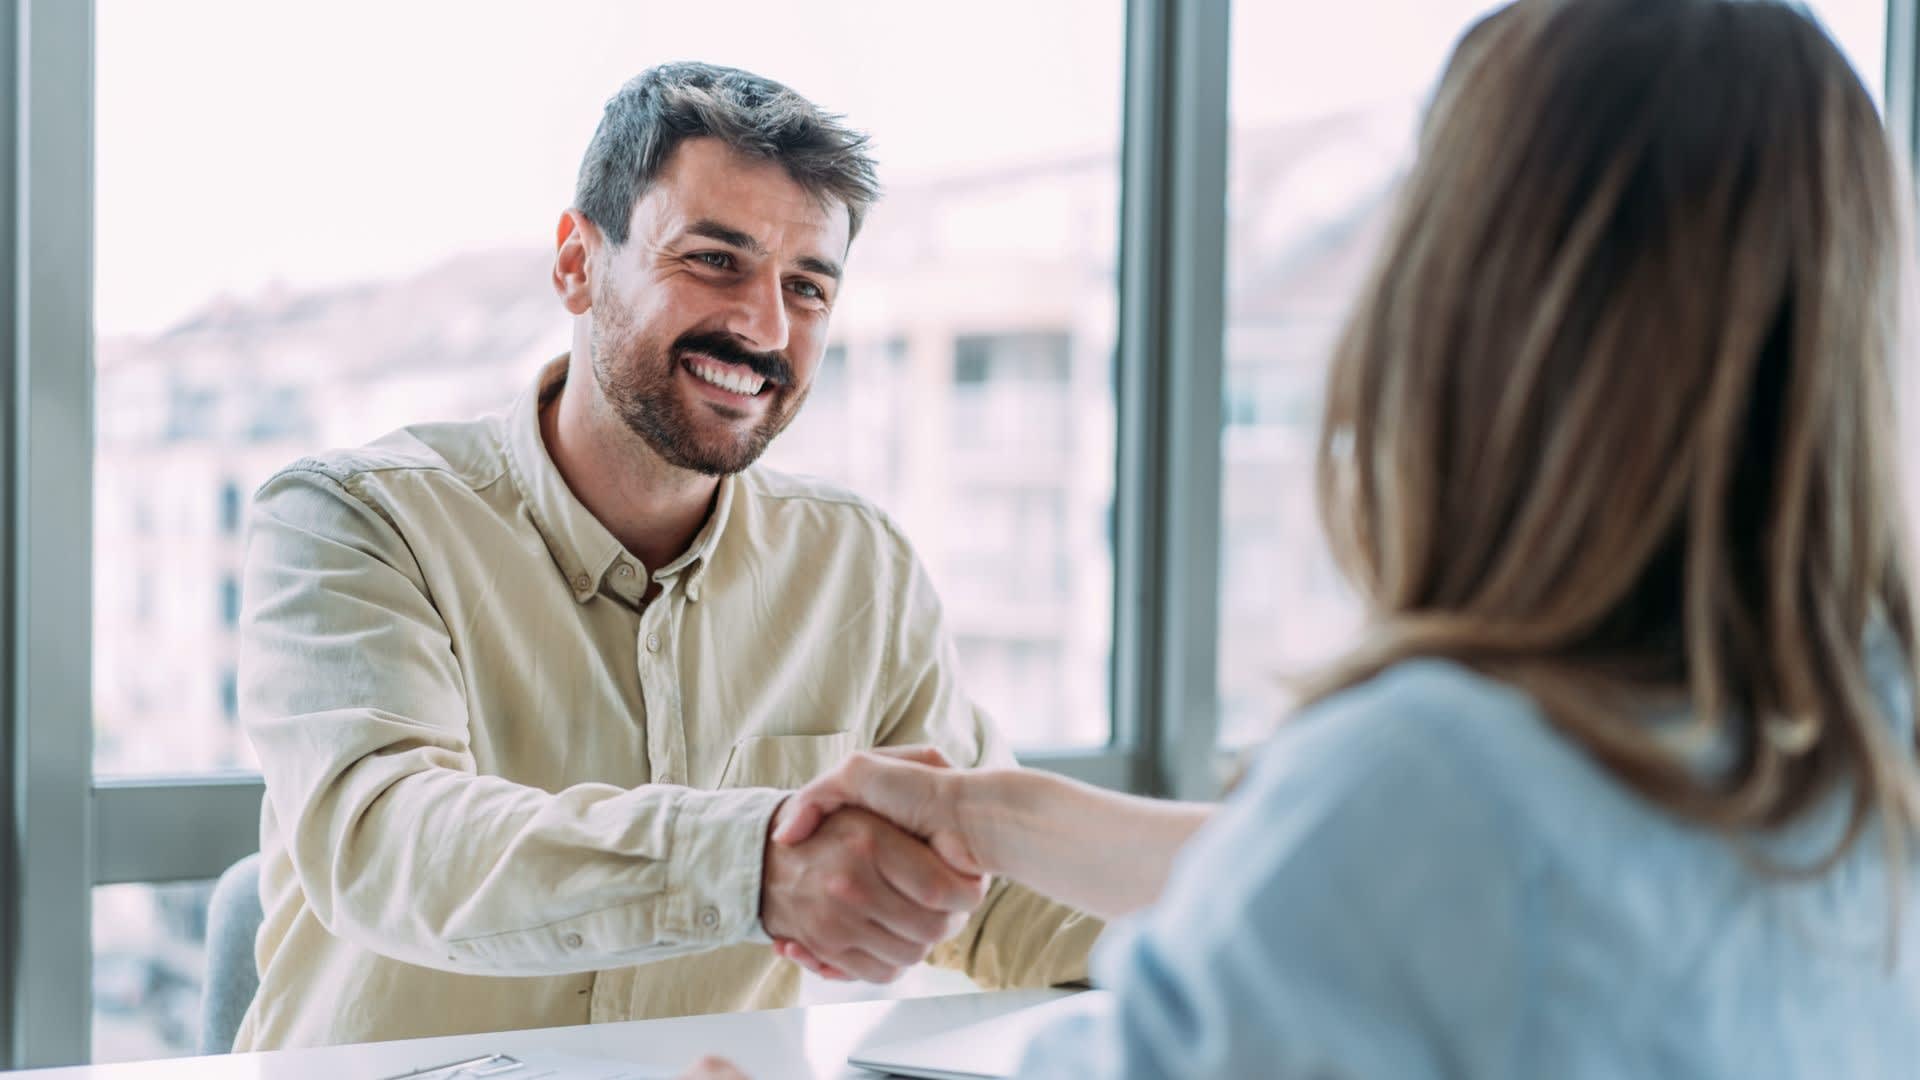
568, 1067
541, 1065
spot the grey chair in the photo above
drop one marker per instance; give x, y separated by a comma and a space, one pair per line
233, 921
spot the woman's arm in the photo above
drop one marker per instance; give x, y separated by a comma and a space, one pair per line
1099, 851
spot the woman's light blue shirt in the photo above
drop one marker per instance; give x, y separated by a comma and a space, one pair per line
1420, 878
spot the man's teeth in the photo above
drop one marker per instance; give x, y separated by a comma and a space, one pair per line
738, 382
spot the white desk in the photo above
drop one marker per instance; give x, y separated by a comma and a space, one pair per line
783, 1044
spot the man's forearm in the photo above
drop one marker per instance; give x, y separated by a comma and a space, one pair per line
457, 872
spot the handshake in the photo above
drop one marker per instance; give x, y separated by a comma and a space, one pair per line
870, 866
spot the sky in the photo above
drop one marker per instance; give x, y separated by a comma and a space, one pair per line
244, 145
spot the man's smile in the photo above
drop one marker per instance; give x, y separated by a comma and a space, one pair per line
735, 381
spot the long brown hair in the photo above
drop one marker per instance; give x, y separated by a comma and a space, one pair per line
1614, 418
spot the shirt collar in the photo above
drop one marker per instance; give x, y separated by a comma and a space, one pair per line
583, 550
699, 555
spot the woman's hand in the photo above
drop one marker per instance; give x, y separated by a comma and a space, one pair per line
1105, 853
915, 787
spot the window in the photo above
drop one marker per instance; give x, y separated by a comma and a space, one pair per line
1323, 106
1017, 596
229, 695
230, 507
374, 251
379, 297
149, 962
229, 601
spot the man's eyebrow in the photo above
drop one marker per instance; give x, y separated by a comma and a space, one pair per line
813, 264
726, 234
732, 237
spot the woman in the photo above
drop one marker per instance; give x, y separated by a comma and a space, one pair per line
1620, 781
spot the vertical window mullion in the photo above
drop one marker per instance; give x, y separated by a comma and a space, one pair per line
50, 512
1903, 74
1172, 289
11, 984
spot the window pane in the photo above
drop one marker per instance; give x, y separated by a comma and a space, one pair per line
149, 964
1860, 26
290, 260
1323, 106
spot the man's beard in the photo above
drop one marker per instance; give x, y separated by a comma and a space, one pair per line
637, 378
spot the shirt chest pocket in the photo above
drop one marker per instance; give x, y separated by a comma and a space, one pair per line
785, 761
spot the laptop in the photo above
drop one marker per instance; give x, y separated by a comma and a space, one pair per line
983, 1050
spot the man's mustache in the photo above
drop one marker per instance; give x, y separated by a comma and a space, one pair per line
770, 366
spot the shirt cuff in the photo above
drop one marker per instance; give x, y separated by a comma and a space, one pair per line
718, 850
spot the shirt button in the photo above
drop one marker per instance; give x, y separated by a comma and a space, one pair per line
709, 918
653, 642
581, 583
624, 570
574, 941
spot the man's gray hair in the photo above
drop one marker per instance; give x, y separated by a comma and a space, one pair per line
664, 106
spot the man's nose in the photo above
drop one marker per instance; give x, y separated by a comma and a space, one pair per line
759, 315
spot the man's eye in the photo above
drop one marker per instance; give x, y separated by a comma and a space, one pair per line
719, 260
809, 290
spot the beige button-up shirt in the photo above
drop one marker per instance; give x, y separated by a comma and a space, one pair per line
506, 791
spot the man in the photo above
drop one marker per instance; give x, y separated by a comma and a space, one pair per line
528, 691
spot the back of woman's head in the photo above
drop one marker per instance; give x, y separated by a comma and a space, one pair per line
1614, 417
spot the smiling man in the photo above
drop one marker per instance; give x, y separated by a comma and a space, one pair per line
528, 691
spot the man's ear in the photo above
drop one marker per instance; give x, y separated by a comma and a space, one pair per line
575, 243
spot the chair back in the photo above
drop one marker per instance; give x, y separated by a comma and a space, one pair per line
234, 915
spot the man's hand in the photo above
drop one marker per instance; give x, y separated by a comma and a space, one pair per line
915, 787
861, 895
713, 1068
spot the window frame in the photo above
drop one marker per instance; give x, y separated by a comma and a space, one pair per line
49, 433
